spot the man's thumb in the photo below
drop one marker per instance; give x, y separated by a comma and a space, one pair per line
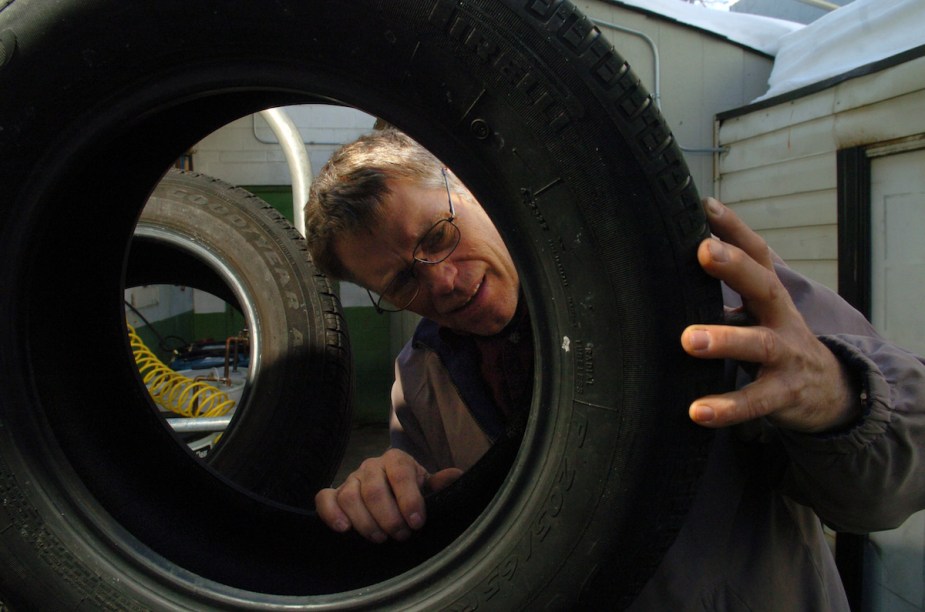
444, 478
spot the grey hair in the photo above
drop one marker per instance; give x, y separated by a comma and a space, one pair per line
348, 193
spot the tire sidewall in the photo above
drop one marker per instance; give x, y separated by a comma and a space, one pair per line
290, 432
487, 88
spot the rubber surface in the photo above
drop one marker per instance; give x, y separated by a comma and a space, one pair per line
292, 424
544, 121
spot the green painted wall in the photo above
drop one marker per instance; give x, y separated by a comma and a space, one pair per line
277, 196
372, 362
172, 330
190, 327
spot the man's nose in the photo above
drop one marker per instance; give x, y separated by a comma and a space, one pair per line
437, 278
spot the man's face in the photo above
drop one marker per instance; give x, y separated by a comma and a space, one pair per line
475, 290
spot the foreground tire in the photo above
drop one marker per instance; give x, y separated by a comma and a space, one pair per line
545, 123
292, 424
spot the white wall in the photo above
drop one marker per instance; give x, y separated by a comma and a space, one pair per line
780, 170
157, 303
246, 151
699, 75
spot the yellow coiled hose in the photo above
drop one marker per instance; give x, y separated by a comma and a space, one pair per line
176, 392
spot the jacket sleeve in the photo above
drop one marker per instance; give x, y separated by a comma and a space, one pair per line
405, 433
870, 476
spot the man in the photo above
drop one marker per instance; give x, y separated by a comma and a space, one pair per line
843, 412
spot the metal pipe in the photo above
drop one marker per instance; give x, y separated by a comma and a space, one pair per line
199, 424
300, 167
828, 6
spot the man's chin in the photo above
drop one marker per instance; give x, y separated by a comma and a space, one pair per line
484, 327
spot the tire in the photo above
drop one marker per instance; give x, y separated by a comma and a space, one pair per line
292, 424
541, 118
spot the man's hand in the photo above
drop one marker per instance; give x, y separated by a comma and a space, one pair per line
383, 498
800, 384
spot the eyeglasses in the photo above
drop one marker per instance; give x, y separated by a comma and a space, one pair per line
434, 247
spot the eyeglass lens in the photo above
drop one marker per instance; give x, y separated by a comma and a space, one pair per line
434, 247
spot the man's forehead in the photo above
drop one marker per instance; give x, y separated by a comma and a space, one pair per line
379, 247
365, 254
412, 207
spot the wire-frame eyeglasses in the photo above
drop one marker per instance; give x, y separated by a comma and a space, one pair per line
434, 247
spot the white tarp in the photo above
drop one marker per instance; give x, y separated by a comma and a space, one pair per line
854, 35
753, 31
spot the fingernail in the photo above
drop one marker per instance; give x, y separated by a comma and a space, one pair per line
402, 534
341, 526
703, 414
416, 521
714, 207
718, 250
699, 340
378, 537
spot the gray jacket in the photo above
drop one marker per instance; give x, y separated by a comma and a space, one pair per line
753, 539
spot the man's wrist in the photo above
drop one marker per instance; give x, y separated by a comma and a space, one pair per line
851, 399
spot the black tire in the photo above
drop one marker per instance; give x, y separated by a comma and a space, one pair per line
292, 424
527, 102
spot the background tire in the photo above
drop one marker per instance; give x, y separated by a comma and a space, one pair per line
542, 119
292, 424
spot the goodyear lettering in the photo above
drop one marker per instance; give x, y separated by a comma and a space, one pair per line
257, 239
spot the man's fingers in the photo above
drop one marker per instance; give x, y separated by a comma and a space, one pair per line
409, 492
749, 344
352, 501
443, 479
343, 508
731, 229
405, 480
329, 511
716, 411
751, 402
386, 485
764, 296
383, 498
799, 384
741, 259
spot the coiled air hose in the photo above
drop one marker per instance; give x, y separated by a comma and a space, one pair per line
174, 391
